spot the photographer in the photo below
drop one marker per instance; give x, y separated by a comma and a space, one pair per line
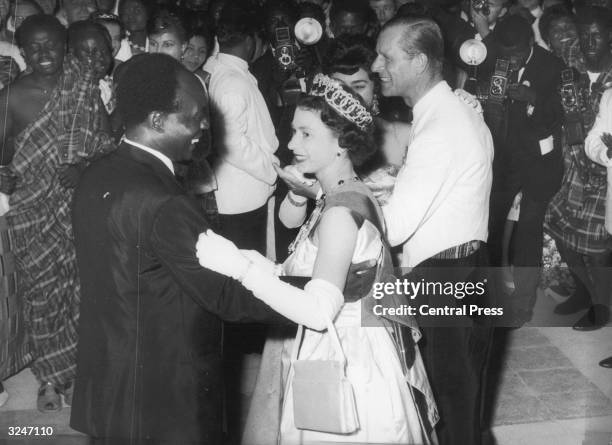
278, 62
524, 113
281, 74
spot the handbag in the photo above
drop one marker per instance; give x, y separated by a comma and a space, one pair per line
323, 398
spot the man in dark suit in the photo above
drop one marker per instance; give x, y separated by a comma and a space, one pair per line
527, 151
149, 352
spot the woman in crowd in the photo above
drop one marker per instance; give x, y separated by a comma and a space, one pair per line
199, 47
167, 35
333, 135
559, 32
134, 14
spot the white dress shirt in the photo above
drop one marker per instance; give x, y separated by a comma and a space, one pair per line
441, 196
159, 155
597, 150
243, 136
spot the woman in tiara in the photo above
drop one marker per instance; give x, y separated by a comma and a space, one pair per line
333, 135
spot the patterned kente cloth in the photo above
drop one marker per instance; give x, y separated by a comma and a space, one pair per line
67, 131
576, 214
9, 70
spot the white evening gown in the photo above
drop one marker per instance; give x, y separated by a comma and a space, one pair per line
385, 400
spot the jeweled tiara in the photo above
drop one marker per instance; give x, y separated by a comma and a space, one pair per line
341, 100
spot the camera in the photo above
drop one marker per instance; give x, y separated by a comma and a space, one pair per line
481, 6
284, 48
499, 81
495, 104
572, 104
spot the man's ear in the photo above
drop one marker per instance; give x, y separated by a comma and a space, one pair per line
156, 121
421, 62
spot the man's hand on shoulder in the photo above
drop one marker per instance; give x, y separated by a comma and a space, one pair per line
606, 138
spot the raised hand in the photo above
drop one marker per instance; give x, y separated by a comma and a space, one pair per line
297, 182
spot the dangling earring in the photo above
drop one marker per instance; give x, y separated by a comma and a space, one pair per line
375, 107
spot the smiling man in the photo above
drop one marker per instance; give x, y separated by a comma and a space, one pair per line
438, 210
149, 353
90, 43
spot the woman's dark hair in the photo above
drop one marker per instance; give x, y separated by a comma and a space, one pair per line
207, 34
347, 54
358, 143
199, 25
165, 21
550, 16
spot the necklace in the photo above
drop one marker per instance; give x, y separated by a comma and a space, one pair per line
340, 184
316, 214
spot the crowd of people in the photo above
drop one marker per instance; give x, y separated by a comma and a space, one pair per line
185, 182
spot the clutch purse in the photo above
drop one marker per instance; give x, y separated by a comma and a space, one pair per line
323, 398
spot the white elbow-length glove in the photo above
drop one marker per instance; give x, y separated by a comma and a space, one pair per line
311, 307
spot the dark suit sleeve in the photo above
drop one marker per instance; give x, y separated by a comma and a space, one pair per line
173, 239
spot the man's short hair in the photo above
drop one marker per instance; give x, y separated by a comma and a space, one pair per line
589, 15
147, 83
37, 22
420, 34
513, 32
79, 28
236, 23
